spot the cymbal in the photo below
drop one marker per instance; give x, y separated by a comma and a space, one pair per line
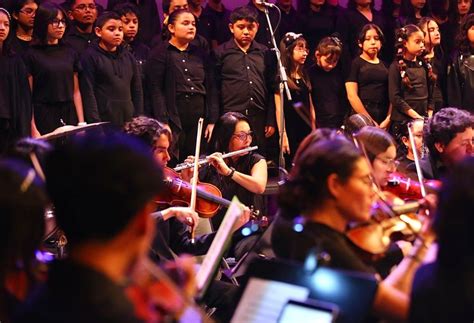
68, 130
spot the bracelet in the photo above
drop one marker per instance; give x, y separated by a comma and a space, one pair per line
232, 171
82, 123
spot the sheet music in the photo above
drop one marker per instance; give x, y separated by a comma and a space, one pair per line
263, 300
218, 246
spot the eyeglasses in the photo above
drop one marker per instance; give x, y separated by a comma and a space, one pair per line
390, 163
28, 12
83, 7
243, 136
56, 22
301, 49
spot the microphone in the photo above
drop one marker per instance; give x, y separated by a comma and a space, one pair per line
264, 3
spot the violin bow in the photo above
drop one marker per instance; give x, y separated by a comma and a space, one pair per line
416, 159
192, 203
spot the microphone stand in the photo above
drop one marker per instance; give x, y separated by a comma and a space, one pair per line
283, 86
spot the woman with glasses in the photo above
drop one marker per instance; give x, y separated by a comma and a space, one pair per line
23, 14
53, 71
244, 176
299, 113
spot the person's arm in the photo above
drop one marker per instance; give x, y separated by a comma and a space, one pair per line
312, 113
78, 99
354, 99
136, 88
87, 83
155, 72
286, 145
395, 93
34, 130
386, 122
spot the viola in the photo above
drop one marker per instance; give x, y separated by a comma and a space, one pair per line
409, 189
387, 224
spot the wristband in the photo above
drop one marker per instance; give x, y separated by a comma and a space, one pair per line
232, 171
82, 123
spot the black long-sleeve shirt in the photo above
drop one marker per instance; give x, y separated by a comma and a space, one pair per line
111, 86
79, 41
419, 98
245, 80
263, 35
161, 73
218, 24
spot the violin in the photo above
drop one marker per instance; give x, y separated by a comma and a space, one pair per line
387, 224
409, 189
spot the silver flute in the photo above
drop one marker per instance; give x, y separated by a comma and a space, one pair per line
205, 160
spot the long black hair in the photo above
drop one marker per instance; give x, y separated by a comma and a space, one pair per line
462, 40
224, 130
45, 14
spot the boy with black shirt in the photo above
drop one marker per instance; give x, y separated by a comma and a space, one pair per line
83, 14
110, 83
245, 73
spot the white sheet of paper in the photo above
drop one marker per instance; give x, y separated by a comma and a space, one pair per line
263, 300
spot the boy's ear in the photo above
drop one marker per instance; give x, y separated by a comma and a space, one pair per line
98, 32
69, 15
231, 28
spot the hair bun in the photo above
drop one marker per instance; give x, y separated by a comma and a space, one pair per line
290, 38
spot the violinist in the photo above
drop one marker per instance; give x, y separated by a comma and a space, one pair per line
443, 291
103, 190
22, 206
328, 187
173, 236
449, 137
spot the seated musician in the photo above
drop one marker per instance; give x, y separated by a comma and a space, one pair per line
244, 176
22, 206
449, 137
405, 151
103, 190
443, 291
328, 188
173, 236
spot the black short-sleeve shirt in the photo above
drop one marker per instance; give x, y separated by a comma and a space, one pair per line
371, 79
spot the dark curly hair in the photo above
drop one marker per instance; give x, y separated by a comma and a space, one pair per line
147, 129
444, 126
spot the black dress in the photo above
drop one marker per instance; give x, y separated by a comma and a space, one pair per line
52, 68
296, 128
372, 86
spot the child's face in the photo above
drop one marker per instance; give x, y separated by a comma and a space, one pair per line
327, 62
372, 44
56, 27
300, 53
184, 27
178, 4
244, 31
470, 35
4, 26
464, 6
418, 4
26, 15
84, 11
432, 34
415, 43
130, 26
111, 33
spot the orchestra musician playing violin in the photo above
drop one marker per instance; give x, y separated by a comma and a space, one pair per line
103, 189
449, 137
329, 187
406, 157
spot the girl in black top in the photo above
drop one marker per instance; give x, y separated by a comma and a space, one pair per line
299, 113
410, 79
15, 96
179, 76
328, 188
23, 14
328, 92
111, 83
53, 73
411, 11
367, 84
435, 57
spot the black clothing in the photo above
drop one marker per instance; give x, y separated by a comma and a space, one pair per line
296, 128
372, 86
79, 41
203, 26
15, 102
229, 187
440, 67
168, 76
290, 21
290, 244
139, 50
75, 293
111, 86
431, 168
436, 299
52, 68
218, 24
406, 167
18, 45
317, 25
460, 82
245, 80
349, 24
419, 98
149, 21
329, 96
263, 35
